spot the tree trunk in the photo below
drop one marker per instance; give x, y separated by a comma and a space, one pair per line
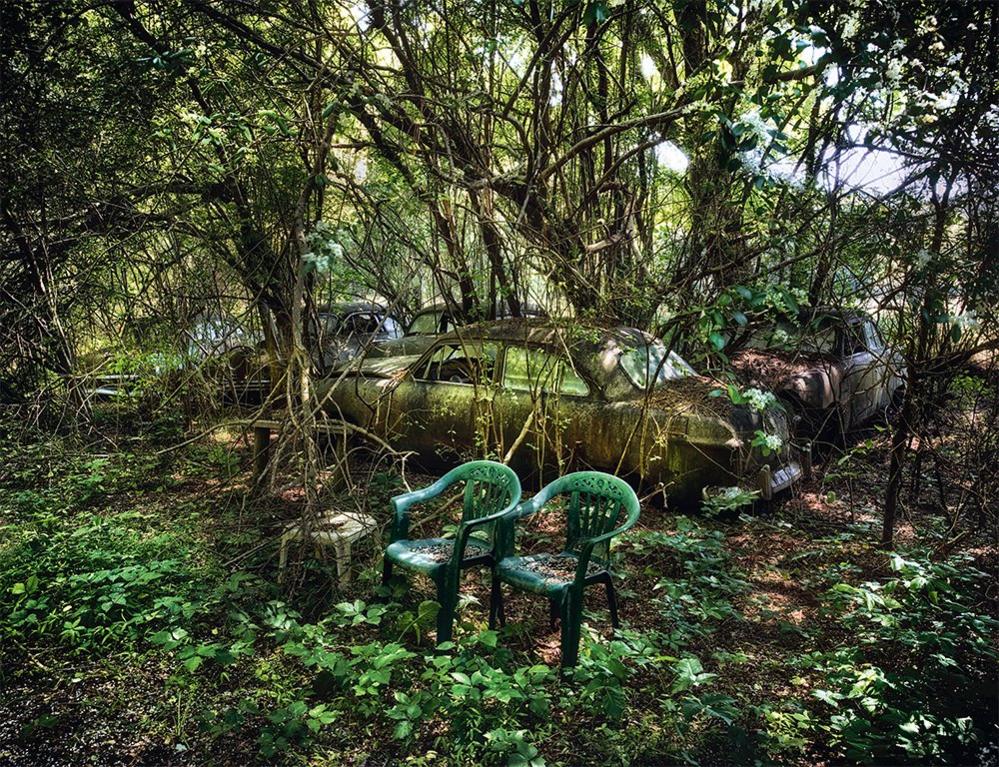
917, 361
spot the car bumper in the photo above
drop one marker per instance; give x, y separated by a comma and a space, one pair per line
770, 481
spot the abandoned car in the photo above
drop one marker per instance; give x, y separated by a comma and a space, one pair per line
345, 331
542, 394
832, 368
341, 332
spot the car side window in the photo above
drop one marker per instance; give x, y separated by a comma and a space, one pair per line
874, 341
363, 323
534, 370
820, 340
853, 339
388, 327
460, 364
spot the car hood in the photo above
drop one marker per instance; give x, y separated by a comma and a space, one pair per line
691, 395
813, 379
708, 416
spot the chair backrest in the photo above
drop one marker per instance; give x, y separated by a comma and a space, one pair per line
489, 488
597, 503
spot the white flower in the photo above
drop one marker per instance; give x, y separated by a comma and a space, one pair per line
894, 71
773, 442
759, 400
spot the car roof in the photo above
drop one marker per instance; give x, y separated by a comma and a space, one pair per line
574, 335
350, 307
441, 306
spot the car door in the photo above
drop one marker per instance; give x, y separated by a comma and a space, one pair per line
443, 405
861, 383
886, 367
535, 407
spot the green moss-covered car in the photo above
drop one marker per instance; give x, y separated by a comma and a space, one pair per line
541, 394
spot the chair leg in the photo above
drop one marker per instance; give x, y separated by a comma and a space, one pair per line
386, 571
572, 617
496, 611
447, 596
554, 616
612, 601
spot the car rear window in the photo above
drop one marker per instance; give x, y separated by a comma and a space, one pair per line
458, 363
650, 365
814, 338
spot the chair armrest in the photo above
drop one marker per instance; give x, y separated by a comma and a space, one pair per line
468, 527
586, 545
401, 505
504, 536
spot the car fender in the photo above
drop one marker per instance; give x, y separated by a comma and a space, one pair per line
817, 387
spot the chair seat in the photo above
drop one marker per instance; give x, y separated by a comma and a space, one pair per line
543, 573
427, 554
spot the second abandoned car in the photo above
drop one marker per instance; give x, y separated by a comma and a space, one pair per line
340, 332
543, 394
832, 368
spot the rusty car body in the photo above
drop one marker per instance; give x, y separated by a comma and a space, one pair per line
831, 367
541, 394
432, 321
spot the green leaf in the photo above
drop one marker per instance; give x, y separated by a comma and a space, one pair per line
687, 671
827, 696
717, 340
488, 638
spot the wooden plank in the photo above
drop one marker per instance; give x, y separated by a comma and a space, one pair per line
277, 425
261, 452
262, 428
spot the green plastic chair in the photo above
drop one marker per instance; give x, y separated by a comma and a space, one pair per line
491, 491
596, 505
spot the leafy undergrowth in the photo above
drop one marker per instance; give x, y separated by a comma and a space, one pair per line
143, 625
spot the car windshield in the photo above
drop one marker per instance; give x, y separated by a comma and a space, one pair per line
427, 323
390, 327
649, 365
811, 339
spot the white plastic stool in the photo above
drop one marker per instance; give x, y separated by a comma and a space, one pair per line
338, 530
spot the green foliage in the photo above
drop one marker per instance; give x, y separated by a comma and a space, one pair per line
236, 661
918, 649
699, 594
727, 500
